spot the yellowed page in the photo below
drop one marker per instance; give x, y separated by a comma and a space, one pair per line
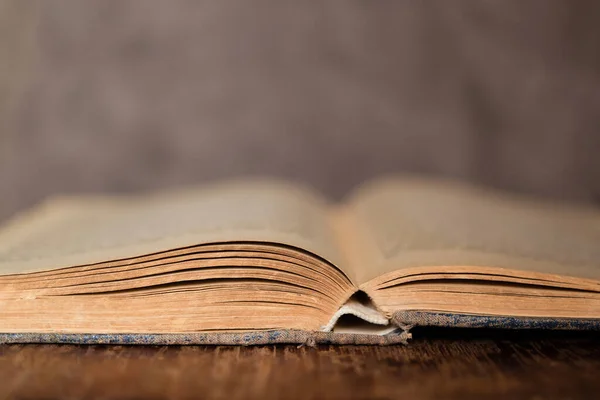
406, 222
75, 231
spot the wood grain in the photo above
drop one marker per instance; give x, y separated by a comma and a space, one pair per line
494, 365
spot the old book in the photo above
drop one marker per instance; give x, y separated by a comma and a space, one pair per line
265, 262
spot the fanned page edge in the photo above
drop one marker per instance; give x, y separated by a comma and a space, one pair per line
38, 219
380, 211
302, 206
484, 266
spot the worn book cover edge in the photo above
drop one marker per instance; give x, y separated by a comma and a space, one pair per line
409, 319
291, 336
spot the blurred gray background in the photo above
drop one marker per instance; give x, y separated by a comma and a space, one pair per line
122, 96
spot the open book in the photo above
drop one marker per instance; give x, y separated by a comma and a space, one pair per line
265, 261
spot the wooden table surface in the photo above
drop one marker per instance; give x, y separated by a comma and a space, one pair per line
438, 363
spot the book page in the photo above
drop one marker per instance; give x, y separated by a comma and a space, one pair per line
408, 222
76, 231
